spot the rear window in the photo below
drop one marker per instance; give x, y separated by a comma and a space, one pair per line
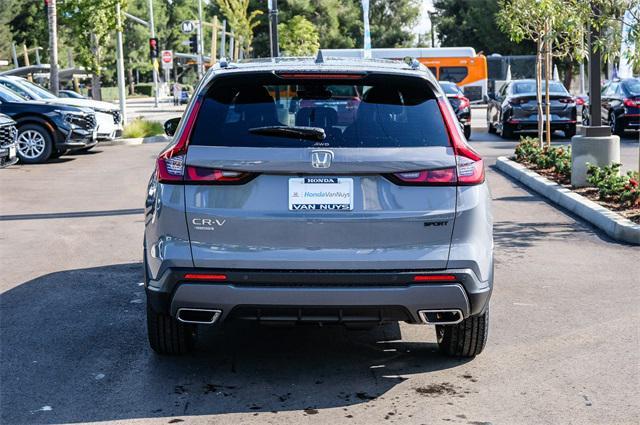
530, 87
450, 88
374, 111
633, 87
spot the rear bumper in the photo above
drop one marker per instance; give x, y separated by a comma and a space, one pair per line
385, 291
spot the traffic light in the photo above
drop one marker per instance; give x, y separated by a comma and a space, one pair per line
154, 50
193, 43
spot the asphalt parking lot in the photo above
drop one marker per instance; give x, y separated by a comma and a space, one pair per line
563, 344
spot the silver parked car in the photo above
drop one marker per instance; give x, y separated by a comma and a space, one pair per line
264, 209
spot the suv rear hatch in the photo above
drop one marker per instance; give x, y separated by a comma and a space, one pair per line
274, 180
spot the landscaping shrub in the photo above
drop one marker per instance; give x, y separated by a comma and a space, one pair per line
142, 128
556, 159
613, 187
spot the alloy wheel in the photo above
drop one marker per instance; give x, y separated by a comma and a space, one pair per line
31, 144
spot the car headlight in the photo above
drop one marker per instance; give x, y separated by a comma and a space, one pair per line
74, 119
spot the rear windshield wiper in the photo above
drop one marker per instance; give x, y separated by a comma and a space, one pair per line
308, 133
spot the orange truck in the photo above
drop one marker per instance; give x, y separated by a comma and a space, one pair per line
460, 65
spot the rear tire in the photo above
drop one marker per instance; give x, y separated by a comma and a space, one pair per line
466, 339
467, 132
570, 132
167, 335
616, 128
507, 131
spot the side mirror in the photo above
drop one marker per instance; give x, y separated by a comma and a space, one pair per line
170, 126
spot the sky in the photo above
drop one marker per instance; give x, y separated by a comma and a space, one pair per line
423, 24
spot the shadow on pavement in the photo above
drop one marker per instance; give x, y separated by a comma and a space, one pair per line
74, 349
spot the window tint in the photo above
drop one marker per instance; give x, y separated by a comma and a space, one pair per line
633, 87
524, 87
16, 89
7, 95
450, 88
454, 74
391, 112
611, 89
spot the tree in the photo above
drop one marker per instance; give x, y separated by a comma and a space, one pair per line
90, 23
556, 26
392, 22
298, 37
473, 23
242, 22
609, 16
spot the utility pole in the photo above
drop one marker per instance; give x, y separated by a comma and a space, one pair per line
200, 41
155, 60
273, 28
120, 65
367, 31
54, 81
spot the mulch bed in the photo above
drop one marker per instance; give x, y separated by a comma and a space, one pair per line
590, 193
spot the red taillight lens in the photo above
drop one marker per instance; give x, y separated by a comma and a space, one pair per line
434, 278
464, 102
470, 169
631, 103
567, 100
205, 276
170, 163
201, 174
579, 101
442, 176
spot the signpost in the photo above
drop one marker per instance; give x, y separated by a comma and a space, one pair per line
167, 59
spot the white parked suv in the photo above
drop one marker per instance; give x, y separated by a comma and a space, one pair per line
108, 116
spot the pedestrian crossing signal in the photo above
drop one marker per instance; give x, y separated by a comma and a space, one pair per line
154, 50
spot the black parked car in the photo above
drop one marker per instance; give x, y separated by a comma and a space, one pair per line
620, 105
8, 137
46, 129
514, 108
460, 105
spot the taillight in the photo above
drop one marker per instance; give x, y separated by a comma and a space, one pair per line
631, 103
170, 163
464, 102
210, 175
567, 100
442, 176
470, 166
517, 101
579, 101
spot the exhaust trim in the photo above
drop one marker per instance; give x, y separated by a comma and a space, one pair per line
215, 315
425, 319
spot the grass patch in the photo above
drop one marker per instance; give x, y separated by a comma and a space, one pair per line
142, 128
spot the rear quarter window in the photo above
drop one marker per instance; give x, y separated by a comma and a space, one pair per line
376, 111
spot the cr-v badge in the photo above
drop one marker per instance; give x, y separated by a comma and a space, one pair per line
207, 223
321, 159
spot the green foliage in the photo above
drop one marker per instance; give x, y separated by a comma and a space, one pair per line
473, 23
242, 22
91, 24
557, 159
142, 128
614, 187
298, 37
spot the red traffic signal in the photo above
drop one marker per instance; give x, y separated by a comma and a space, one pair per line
154, 50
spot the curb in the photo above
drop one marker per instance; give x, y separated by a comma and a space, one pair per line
136, 141
613, 224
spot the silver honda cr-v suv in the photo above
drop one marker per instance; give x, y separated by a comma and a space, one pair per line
318, 191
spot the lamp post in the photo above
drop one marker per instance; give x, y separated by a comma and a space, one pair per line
155, 61
273, 28
120, 65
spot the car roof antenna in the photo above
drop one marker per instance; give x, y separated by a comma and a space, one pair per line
319, 57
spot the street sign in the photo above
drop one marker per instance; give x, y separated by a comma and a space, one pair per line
187, 27
166, 57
